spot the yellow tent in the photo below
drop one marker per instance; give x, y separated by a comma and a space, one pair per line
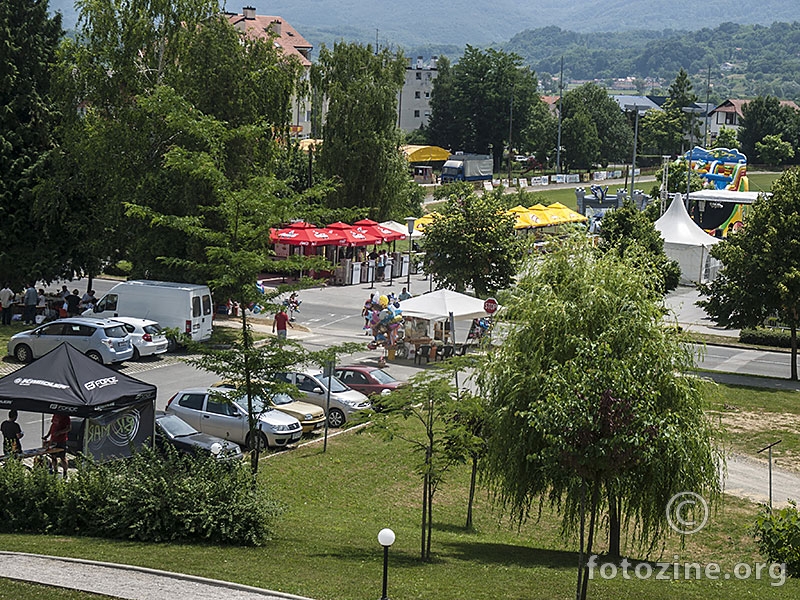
521, 215
564, 214
419, 224
538, 216
416, 154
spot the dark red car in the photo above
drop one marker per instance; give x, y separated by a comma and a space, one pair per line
368, 380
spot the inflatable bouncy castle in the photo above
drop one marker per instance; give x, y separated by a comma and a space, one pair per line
720, 168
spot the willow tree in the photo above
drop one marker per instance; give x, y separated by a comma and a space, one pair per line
592, 412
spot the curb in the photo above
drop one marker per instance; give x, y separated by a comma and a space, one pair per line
148, 571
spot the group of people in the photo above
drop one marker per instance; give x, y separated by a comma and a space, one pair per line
55, 440
34, 302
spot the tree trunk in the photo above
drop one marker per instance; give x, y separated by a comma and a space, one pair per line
581, 555
431, 492
614, 525
794, 350
424, 514
473, 477
590, 540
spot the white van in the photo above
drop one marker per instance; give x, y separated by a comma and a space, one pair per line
185, 306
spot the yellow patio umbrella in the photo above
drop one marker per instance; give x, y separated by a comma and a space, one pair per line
520, 213
539, 216
565, 214
419, 224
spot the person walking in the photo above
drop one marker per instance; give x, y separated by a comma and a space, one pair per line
280, 322
7, 303
12, 434
30, 300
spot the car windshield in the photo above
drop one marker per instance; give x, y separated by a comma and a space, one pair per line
382, 376
175, 426
334, 384
282, 399
116, 331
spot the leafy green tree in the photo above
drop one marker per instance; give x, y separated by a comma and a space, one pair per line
478, 98
361, 149
580, 140
727, 138
590, 409
760, 276
661, 132
471, 243
426, 400
27, 117
541, 135
773, 151
629, 231
613, 131
680, 92
762, 117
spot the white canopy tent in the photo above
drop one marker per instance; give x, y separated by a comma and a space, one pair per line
401, 228
687, 243
437, 306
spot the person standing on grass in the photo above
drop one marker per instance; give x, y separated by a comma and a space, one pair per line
30, 299
7, 302
280, 322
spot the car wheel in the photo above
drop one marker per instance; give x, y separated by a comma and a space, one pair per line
336, 417
260, 439
136, 355
23, 353
95, 356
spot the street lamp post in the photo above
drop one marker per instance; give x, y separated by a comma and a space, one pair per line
410, 223
635, 143
690, 110
385, 539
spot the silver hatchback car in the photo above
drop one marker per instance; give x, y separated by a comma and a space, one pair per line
102, 340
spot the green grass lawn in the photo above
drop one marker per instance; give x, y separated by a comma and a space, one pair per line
762, 182
325, 544
753, 418
20, 590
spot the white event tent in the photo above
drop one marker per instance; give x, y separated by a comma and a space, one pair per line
437, 306
687, 243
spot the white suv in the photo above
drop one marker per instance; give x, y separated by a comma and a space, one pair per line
100, 339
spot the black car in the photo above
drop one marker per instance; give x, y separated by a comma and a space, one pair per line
174, 430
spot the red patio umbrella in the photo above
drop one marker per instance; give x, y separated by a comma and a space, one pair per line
372, 227
295, 235
354, 236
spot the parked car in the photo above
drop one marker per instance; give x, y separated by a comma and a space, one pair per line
314, 387
147, 336
100, 339
311, 417
171, 429
367, 380
209, 411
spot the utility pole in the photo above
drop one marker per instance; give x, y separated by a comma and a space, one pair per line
510, 124
706, 141
560, 97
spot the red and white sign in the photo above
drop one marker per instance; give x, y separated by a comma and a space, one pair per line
490, 306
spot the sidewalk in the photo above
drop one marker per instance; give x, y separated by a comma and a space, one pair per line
124, 581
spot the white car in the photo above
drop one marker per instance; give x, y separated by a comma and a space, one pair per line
101, 340
147, 336
208, 410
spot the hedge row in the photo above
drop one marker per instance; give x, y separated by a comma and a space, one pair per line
778, 338
149, 497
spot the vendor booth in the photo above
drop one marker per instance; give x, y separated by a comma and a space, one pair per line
117, 411
432, 312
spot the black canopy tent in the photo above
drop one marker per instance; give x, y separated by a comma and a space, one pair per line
118, 410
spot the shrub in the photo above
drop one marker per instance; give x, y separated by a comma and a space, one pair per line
149, 497
777, 338
777, 533
121, 268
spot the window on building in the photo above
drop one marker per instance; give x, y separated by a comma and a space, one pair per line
416, 113
427, 94
730, 118
419, 75
417, 95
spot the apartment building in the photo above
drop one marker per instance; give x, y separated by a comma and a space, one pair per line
414, 100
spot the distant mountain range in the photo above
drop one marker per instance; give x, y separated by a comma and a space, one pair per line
417, 24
